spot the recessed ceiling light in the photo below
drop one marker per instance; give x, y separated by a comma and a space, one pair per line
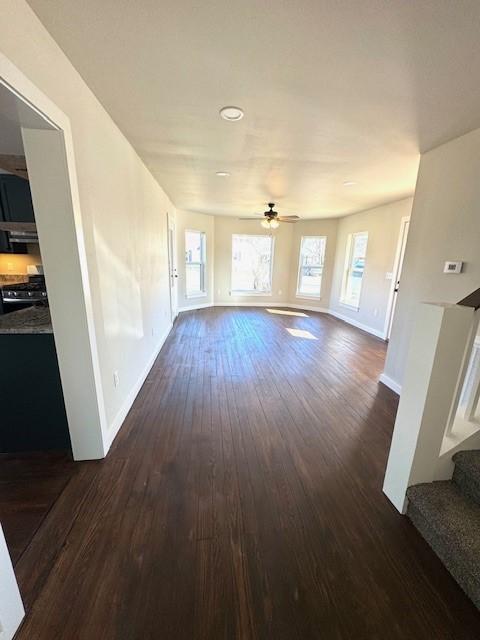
349, 183
222, 174
232, 114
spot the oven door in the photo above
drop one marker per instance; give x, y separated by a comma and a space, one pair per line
8, 305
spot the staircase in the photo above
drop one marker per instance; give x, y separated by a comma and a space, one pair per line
447, 514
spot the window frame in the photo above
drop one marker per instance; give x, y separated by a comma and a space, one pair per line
250, 292
202, 293
300, 294
348, 268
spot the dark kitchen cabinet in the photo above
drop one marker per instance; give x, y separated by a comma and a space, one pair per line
15, 206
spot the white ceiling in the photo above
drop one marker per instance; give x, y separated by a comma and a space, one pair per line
333, 90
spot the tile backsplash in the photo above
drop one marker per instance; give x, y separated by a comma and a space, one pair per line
16, 263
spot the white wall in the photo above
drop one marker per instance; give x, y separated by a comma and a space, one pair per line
445, 225
383, 226
194, 222
123, 213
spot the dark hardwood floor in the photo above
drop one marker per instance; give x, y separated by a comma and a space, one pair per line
242, 500
30, 484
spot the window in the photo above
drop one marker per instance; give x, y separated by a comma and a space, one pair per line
194, 264
252, 259
310, 267
354, 269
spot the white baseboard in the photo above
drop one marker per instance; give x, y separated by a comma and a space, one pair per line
359, 325
250, 304
129, 400
290, 305
390, 383
306, 307
203, 305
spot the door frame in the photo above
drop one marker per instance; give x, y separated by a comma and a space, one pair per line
397, 268
172, 266
53, 180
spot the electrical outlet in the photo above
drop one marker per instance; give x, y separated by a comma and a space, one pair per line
116, 379
280, 292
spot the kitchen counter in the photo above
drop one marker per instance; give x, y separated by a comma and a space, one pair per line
26, 321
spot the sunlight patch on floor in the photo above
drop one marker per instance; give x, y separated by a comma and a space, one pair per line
301, 333
281, 312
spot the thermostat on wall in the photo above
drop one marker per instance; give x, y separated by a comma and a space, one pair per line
453, 267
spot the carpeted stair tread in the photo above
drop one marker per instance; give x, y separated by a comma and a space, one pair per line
450, 522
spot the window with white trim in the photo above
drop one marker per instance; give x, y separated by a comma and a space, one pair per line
355, 256
310, 266
252, 261
195, 255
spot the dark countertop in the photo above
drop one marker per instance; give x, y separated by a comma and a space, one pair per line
31, 320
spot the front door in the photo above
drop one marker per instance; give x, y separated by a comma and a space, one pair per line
172, 268
402, 244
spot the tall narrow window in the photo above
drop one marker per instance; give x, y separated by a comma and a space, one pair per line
195, 264
310, 267
252, 259
354, 268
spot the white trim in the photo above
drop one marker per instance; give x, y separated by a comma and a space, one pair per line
203, 263
290, 305
11, 607
298, 293
306, 307
87, 443
350, 307
390, 383
359, 325
246, 294
396, 273
117, 422
348, 267
203, 305
249, 304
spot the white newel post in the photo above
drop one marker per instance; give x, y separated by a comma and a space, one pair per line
11, 607
441, 340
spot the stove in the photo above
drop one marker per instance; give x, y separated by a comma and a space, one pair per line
24, 293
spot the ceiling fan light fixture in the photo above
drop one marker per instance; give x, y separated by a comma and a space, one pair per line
265, 224
231, 114
274, 224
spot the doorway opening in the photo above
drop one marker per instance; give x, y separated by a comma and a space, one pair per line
52, 399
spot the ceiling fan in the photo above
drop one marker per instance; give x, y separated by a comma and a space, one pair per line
272, 219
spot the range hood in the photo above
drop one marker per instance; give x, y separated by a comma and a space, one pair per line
20, 231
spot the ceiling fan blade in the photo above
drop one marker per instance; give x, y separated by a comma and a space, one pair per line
249, 218
289, 218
